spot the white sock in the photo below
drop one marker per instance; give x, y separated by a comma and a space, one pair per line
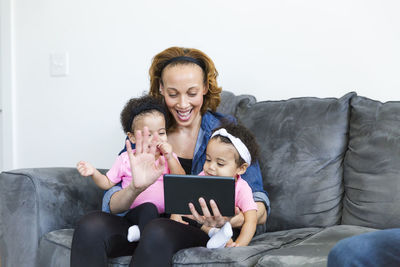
212, 231
133, 233
220, 238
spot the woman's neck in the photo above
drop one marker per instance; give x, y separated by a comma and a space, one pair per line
183, 138
191, 129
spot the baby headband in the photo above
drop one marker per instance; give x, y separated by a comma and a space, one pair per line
237, 143
183, 58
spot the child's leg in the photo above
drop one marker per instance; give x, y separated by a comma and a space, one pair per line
139, 217
221, 237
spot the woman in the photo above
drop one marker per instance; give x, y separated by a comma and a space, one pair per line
186, 80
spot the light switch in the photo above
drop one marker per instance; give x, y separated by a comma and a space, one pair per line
59, 64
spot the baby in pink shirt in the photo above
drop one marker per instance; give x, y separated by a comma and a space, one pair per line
138, 113
231, 149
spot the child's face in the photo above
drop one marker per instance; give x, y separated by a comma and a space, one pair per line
221, 160
154, 121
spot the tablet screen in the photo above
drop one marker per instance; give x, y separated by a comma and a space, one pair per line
179, 190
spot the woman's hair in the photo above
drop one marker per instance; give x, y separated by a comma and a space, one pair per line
139, 106
176, 56
241, 132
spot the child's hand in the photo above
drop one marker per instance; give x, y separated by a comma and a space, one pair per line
85, 168
178, 218
231, 244
165, 149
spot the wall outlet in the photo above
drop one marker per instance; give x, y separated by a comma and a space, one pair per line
59, 64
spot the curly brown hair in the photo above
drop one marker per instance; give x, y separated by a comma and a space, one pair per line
137, 107
244, 135
160, 61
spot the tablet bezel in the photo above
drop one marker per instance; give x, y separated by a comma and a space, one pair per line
179, 190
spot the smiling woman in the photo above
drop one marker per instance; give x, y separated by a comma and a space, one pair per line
185, 80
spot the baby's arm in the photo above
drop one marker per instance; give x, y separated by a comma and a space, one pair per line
173, 164
248, 229
86, 169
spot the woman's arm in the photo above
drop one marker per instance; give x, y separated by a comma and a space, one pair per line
238, 220
122, 200
254, 178
248, 229
261, 213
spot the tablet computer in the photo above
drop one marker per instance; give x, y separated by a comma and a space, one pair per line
180, 190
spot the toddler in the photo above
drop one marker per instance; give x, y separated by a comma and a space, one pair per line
231, 149
138, 113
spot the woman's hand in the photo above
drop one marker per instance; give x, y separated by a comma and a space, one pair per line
237, 220
231, 244
143, 164
207, 219
178, 218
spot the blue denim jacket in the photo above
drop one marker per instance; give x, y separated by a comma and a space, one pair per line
210, 121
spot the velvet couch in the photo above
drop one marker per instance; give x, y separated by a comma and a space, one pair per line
331, 167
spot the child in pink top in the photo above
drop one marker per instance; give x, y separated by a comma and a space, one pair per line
243, 194
231, 149
138, 113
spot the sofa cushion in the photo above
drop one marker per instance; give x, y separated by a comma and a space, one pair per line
372, 165
302, 144
241, 256
55, 250
312, 251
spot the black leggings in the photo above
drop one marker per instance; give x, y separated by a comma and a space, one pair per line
142, 215
100, 235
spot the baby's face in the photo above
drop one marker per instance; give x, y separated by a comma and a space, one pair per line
220, 159
155, 122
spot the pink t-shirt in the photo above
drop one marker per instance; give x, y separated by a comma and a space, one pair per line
243, 195
121, 171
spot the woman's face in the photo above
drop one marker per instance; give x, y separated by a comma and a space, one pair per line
183, 90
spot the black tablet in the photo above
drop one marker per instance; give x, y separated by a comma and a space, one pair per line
180, 190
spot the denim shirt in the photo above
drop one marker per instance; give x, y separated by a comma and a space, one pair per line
211, 120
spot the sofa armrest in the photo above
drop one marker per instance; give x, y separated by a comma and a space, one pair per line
36, 201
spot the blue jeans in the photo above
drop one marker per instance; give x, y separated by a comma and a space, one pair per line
379, 248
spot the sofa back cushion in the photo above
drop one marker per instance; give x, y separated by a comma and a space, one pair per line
302, 144
372, 165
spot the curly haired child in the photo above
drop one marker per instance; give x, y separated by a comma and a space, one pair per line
138, 113
231, 149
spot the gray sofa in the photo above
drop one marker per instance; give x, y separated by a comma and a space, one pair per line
331, 168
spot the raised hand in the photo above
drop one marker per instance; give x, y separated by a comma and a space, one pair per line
207, 219
144, 169
85, 168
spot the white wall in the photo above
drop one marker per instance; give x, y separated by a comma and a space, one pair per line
272, 49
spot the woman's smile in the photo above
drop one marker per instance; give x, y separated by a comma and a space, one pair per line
184, 115
183, 90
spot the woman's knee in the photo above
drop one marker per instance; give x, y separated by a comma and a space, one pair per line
157, 230
92, 225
